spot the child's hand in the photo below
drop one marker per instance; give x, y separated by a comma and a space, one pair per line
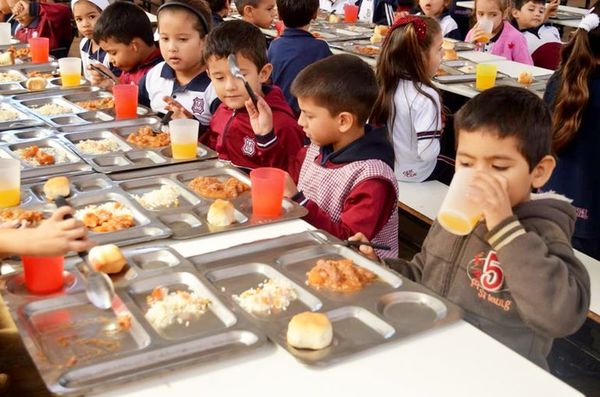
179, 112
289, 187
490, 192
400, 14
550, 9
478, 34
21, 12
261, 119
98, 80
366, 250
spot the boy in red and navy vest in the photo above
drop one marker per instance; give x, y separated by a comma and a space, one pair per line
269, 137
345, 177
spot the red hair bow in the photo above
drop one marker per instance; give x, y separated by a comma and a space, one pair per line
417, 22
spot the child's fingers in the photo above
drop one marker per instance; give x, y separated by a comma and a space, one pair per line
252, 111
80, 245
367, 250
359, 237
60, 213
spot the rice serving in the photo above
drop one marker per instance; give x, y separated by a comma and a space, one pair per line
9, 77
167, 308
59, 156
52, 109
270, 296
8, 114
113, 207
165, 197
100, 146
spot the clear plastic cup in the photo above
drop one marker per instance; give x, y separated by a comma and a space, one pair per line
70, 71
458, 214
485, 76
40, 49
43, 274
10, 183
350, 13
5, 33
267, 192
126, 100
184, 138
487, 25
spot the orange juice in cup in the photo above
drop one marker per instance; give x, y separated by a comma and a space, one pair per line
350, 13
487, 26
458, 214
10, 182
184, 138
267, 192
70, 71
485, 76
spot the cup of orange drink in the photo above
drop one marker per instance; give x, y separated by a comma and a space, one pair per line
458, 214
267, 191
184, 138
487, 26
70, 71
10, 183
485, 76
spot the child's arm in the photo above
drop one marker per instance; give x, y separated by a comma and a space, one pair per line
55, 22
550, 9
98, 80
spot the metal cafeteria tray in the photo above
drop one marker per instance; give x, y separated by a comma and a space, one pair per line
96, 189
388, 309
79, 349
189, 218
31, 202
362, 47
55, 90
26, 134
72, 164
25, 69
24, 119
129, 156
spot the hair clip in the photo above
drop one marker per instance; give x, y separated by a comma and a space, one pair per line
417, 22
589, 22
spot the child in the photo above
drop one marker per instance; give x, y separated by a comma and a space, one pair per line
258, 12
86, 13
543, 41
408, 102
334, 6
125, 33
379, 12
438, 9
345, 179
182, 26
248, 139
43, 20
515, 274
505, 40
574, 93
219, 9
296, 48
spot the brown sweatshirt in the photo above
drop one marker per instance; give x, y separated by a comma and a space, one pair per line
520, 282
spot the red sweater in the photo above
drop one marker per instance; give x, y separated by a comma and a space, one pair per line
135, 75
52, 21
231, 135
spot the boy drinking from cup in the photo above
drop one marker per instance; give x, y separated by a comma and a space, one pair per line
515, 274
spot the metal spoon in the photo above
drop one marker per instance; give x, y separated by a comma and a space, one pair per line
237, 73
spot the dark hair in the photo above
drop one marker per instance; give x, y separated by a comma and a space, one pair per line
510, 112
122, 22
339, 83
297, 13
240, 4
199, 9
217, 5
518, 4
236, 37
579, 59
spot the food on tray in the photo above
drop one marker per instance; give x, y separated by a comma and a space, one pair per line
27, 218
167, 308
107, 217
334, 18
45, 75
379, 33
96, 104
310, 330
467, 69
525, 77
316, 35
449, 51
21, 52
107, 258
36, 83
8, 114
221, 213
212, 187
8, 77
97, 146
7, 58
165, 197
441, 72
270, 296
57, 186
339, 275
366, 50
124, 321
145, 137
36, 156
52, 109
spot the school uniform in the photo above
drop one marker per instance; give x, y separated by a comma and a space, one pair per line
88, 57
447, 23
508, 43
379, 12
334, 5
544, 45
294, 50
160, 82
135, 75
216, 19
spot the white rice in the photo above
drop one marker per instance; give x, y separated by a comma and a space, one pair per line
59, 156
9, 77
99, 146
165, 197
110, 207
179, 307
8, 114
52, 109
269, 296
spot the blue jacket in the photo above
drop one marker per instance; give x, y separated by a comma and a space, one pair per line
289, 54
384, 11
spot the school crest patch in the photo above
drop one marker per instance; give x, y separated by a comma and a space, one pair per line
198, 106
249, 147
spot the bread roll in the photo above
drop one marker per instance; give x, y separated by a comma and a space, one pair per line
525, 77
221, 213
57, 186
35, 83
310, 330
107, 258
8, 58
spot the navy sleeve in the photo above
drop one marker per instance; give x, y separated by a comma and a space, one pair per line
143, 96
551, 90
455, 34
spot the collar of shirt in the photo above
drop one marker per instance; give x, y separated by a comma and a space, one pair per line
198, 83
295, 32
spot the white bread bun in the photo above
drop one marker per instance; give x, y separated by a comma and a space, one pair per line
57, 186
450, 55
525, 77
221, 213
107, 258
310, 330
36, 83
8, 58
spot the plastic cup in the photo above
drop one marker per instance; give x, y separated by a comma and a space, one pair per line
267, 192
40, 49
43, 274
5, 33
10, 183
458, 214
350, 13
487, 26
279, 27
126, 100
70, 71
485, 76
184, 138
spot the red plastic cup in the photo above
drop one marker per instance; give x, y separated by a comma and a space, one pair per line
43, 274
279, 27
350, 13
267, 192
126, 100
40, 49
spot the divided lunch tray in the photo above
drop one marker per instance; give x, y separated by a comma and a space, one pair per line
24, 70
78, 348
361, 47
335, 32
23, 119
389, 309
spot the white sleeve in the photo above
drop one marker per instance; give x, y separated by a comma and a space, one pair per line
209, 96
427, 121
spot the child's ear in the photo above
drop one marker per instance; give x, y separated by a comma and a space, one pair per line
265, 73
248, 11
135, 44
515, 13
345, 121
542, 171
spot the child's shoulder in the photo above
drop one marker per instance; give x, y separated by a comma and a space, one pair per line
549, 214
415, 93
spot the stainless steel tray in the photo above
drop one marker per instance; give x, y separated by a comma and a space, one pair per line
389, 309
72, 165
55, 90
336, 32
129, 156
26, 134
26, 69
23, 120
79, 349
189, 220
361, 47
